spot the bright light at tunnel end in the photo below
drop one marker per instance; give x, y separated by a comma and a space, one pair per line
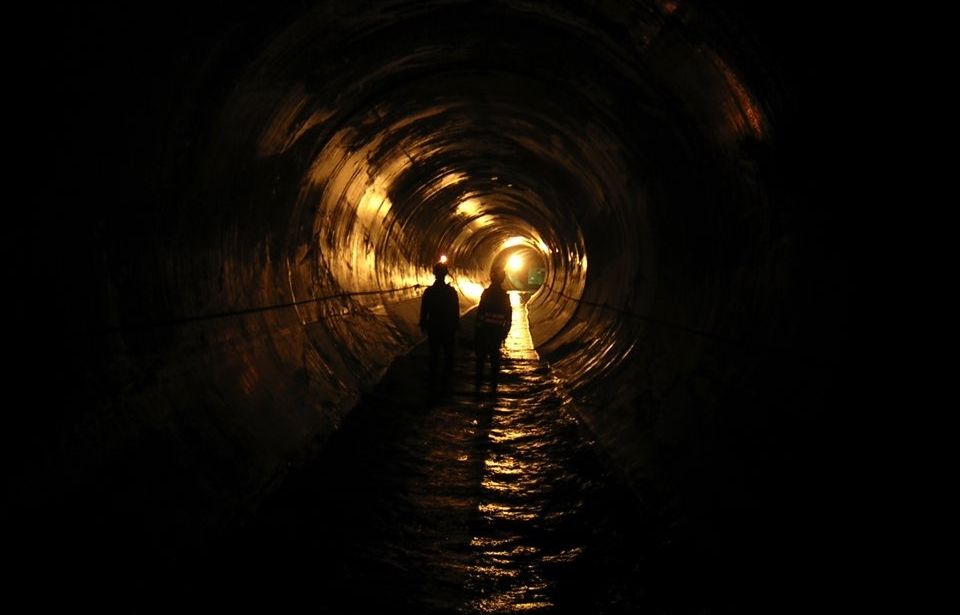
518, 240
515, 262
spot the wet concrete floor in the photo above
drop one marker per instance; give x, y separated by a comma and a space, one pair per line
474, 497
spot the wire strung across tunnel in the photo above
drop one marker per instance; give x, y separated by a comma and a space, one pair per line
245, 311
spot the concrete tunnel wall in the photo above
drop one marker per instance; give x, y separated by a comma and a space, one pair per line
667, 158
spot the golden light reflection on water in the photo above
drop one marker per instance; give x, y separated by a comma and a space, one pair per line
501, 467
511, 601
519, 343
507, 435
507, 573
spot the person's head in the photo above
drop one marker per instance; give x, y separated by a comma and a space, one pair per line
440, 271
497, 276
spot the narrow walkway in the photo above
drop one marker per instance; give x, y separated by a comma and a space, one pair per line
481, 499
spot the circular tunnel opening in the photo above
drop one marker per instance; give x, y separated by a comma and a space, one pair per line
265, 197
525, 267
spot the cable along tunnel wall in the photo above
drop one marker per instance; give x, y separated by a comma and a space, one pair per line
647, 151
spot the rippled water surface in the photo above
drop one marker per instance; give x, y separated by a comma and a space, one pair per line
480, 498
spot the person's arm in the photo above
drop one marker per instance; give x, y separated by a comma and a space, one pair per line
481, 308
424, 311
508, 317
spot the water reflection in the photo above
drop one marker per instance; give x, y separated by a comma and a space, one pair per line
470, 501
515, 486
519, 344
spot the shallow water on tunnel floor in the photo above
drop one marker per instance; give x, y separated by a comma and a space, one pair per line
527, 465
485, 498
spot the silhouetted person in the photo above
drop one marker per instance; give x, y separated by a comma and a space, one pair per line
493, 323
440, 319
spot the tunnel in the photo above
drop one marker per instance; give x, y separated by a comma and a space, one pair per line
232, 214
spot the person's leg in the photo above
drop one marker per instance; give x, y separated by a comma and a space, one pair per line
479, 354
434, 357
449, 354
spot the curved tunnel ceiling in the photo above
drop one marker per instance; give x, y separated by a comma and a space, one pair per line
447, 129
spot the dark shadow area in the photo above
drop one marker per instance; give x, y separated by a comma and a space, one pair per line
214, 275
476, 498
